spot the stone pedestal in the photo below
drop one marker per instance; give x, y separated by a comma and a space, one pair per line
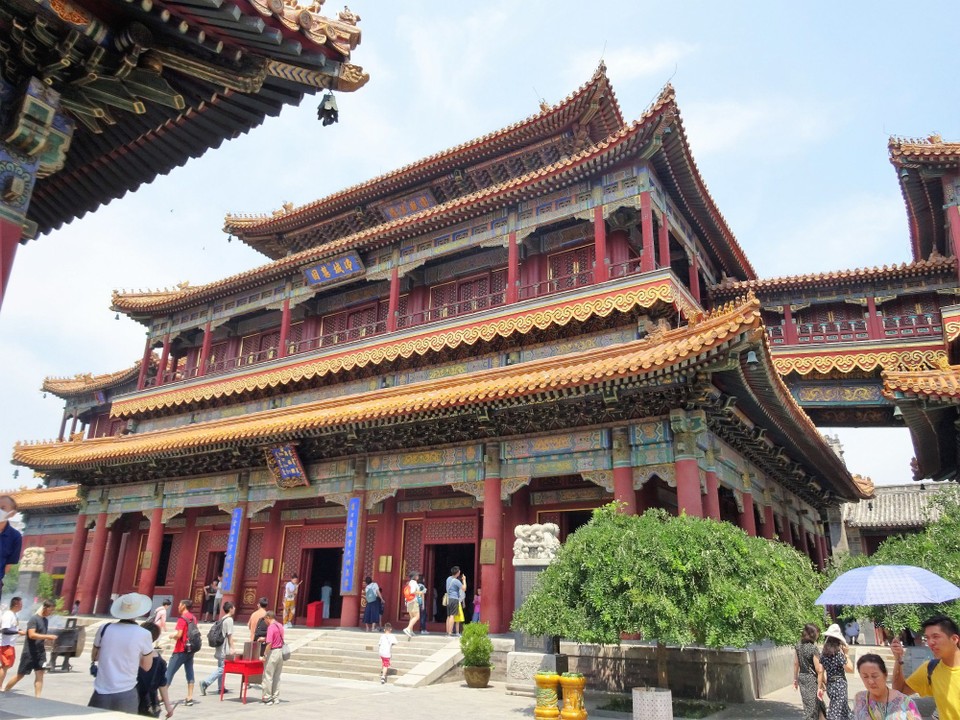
521, 669
652, 704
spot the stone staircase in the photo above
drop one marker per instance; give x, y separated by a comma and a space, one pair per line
338, 652
352, 654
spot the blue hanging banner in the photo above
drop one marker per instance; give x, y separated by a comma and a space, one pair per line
236, 517
347, 579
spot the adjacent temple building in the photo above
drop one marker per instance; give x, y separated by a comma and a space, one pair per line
516, 330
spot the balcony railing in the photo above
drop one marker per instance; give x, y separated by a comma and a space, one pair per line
423, 317
903, 326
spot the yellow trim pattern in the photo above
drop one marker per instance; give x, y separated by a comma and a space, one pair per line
951, 330
624, 301
866, 361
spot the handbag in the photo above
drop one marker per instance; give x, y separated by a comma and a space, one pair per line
446, 599
285, 652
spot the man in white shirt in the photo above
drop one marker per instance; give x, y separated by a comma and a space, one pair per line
9, 630
290, 600
160, 615
120, 649
221, 652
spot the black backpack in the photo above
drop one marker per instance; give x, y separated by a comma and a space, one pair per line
194, 640
930, 668
261, 630
215, 636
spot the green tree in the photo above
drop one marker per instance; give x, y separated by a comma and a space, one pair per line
936, 548
45, 587
12, 578
678, 580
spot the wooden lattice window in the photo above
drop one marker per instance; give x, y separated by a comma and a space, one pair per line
571, 268
333, 328
443, 300
361, 323
472, 295
498, 286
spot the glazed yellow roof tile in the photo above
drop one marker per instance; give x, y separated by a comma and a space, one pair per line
536, 377
540, 318
46, 497
87, 383
349, 197
931, 149
729, 287
547, 176
942, 383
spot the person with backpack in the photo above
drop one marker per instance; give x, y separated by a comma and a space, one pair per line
411, 596
187, 641
257, 624
220, 637
374, 608
939, 677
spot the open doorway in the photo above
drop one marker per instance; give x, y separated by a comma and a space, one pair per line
322, 570
439, 560
215, 566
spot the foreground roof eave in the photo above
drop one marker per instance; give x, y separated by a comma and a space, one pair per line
65, 496
296, 218
83, 383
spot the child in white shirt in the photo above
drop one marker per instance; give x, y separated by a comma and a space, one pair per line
387, 641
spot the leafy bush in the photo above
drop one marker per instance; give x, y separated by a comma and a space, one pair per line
475, 645
12, 578
45, 587
679, 580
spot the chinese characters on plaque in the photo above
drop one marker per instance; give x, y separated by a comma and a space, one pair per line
350, 547
285, 466
338, 268
236, 517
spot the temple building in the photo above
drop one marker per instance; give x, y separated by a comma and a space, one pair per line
102, 97
515, 330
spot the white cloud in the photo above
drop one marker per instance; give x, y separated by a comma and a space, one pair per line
853, 231
767, 127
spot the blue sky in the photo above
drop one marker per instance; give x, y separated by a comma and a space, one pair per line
788, 109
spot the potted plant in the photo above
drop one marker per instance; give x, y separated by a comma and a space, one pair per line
476, 647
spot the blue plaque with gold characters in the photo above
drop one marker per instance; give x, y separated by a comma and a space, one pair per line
339, 268
285, 466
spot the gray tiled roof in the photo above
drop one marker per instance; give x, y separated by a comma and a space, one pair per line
903, 506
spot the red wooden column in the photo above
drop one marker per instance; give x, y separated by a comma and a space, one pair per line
664, 239
151, 555
874, 326
647, 261
789, 326
393, 307
768, 524
686, 426
818, 551
711, 500
145, 363
111, 563
513, 269
164, 354
491, 575
384, 547
95, 566
786, 534
804, 546
77, 547
272, 545
601, 263
694, 277
950, 193
623, 491
350, 608
747, 520
205, 350
10, 234
284, 328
